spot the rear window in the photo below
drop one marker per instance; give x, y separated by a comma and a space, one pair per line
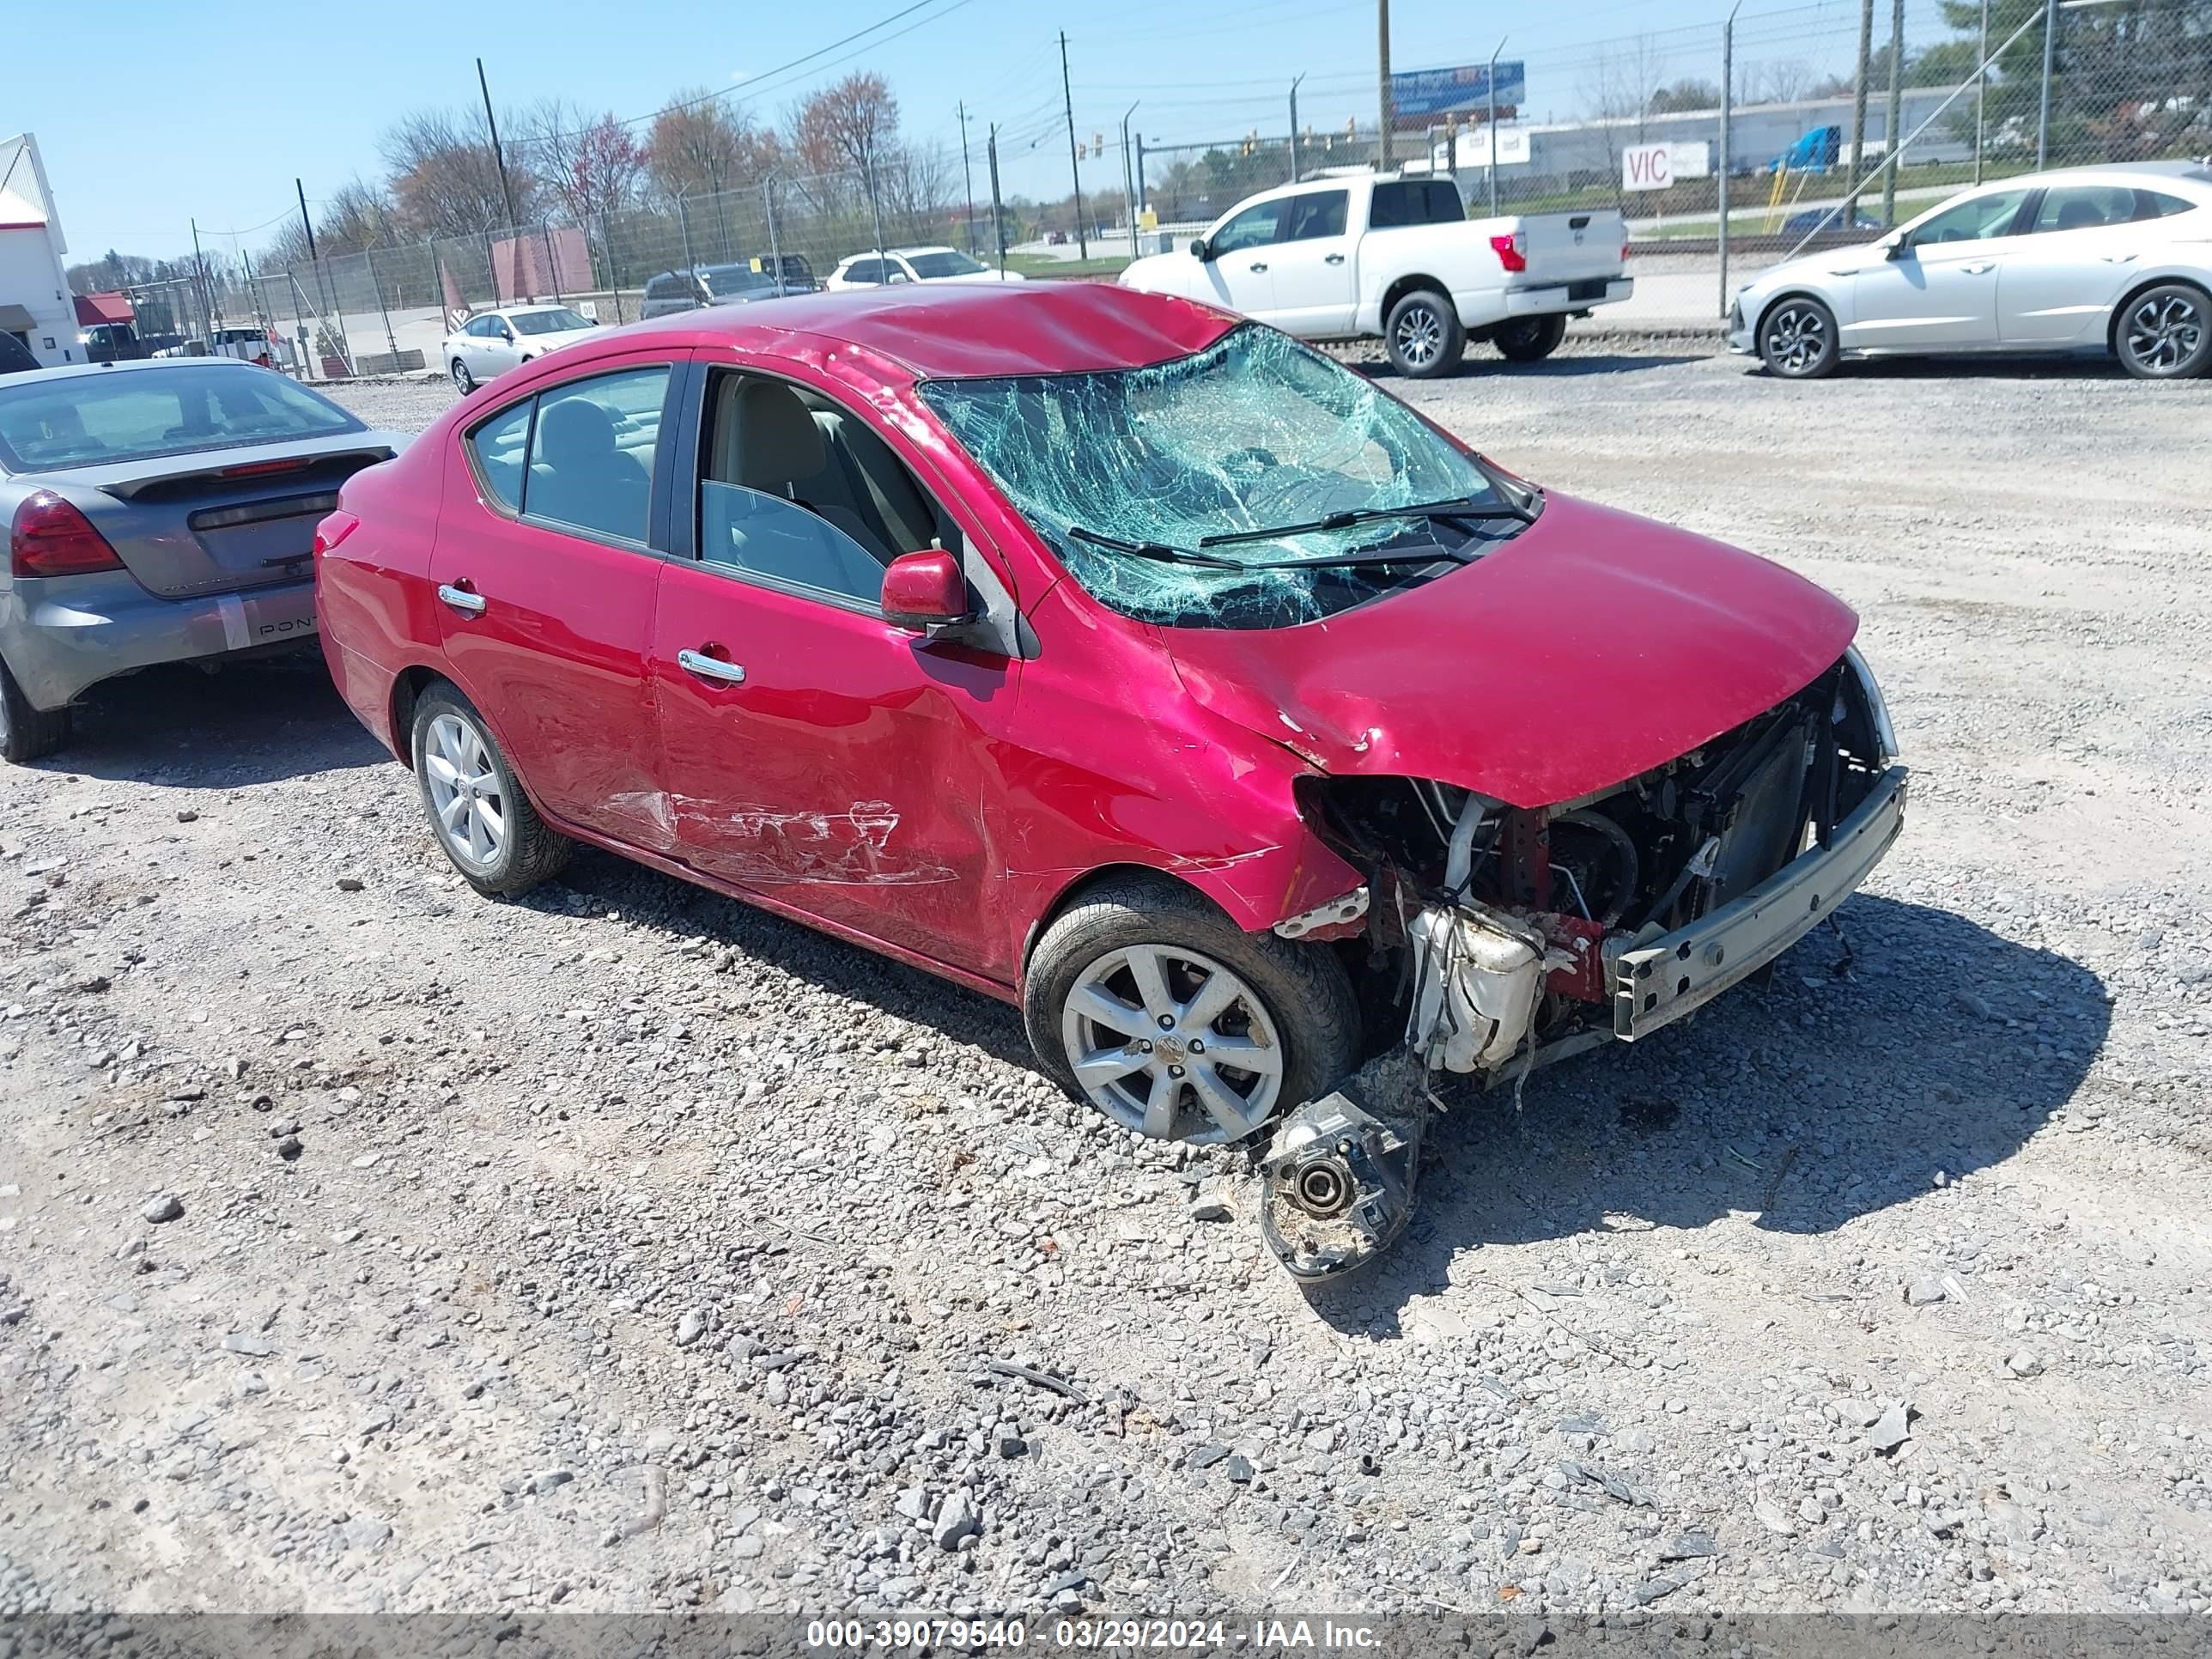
1415, 202
95, 420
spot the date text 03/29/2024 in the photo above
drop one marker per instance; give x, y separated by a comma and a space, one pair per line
1096, 1634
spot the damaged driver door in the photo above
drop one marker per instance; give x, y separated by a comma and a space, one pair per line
813, 753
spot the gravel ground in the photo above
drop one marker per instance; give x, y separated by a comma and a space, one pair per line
364, 1245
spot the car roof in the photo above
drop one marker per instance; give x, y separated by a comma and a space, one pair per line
964, 330
518, 311
2119, 173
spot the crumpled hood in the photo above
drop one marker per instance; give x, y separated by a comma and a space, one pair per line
1594, 646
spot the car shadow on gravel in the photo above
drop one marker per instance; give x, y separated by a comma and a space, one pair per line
253, 721
1845, 1086
1965, 369
682, 912
1566, 367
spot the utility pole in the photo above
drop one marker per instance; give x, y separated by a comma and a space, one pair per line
1893, 127
966, 177
1501, 40
1383, 108
1067, 103
1129, 178
314, 259
1728, 102
199, 271
1981, 90
1294, 129
998, 219
1858, 107
499, 155
2042, 116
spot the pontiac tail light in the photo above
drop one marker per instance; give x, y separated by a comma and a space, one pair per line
50, 538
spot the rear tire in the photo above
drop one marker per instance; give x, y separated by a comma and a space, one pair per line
1798, 339
463, 382
1529, 340
1422, 336
1292, 1013
2164, 333
479, 815
28, 733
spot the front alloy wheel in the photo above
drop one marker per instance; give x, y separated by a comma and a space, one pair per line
1798, 340
1162, 1038
2164, 335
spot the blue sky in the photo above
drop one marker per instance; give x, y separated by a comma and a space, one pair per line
210, 111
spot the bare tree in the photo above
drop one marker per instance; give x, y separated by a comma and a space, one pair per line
698, 144
1779, 81
591, 163
1619, 89
848, 125
445, 175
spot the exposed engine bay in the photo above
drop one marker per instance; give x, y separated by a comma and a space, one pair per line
1507, 937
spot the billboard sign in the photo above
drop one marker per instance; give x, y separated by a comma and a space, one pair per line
1421, 94
1473, 149
1655, 166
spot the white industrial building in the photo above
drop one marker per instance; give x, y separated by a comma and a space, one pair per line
34, 299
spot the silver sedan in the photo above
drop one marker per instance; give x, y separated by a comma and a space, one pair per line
2115, 260
157, 511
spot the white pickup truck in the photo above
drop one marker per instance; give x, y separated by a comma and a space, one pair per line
1368, 257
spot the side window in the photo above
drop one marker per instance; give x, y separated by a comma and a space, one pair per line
2157, 204
660, 288
1974, 220
2085, 207
1256, 226
1443, 204
1320, 214
591, 453
1391, 206
865, 271
795, 489
499, 444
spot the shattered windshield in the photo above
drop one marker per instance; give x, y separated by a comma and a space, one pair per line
1255, 432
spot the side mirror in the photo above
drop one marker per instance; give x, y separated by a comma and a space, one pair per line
1894, 246
1199, 249
926, 592
507, 335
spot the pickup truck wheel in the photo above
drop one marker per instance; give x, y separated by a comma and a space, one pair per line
1798, 339
28, 733
1423, 337
1529, 340
1147, 1002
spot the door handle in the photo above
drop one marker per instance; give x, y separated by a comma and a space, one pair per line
1977, 269
1332, 259
462, 600
710, 668
2117, 258
1259, 267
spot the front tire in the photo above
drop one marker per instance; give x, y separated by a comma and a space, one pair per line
463, 382
1422, 336
1146, 1001
1798, 339
1529, 340
28, 733
483, 820
2164, 333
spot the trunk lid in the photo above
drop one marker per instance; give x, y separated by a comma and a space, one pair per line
1594, 646
1569, 247
216, 521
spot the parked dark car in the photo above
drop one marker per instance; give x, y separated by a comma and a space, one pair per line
1805, 223
735, 283
15, 356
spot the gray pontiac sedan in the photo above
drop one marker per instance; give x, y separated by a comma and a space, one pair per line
157, 511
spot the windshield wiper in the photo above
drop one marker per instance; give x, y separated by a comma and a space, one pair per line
1153, 550
1462, 507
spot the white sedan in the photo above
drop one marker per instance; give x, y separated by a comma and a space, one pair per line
913, 265
2110, 259
492, 342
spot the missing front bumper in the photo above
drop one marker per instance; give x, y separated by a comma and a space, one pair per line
1659, 981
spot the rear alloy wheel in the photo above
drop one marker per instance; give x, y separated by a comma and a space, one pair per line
2164, 334
1529, 340
1149, 1003
28, 733
1798, 340
463, 382
483, 820
1422, 336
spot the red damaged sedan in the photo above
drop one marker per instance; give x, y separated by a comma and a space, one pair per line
1123, 659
